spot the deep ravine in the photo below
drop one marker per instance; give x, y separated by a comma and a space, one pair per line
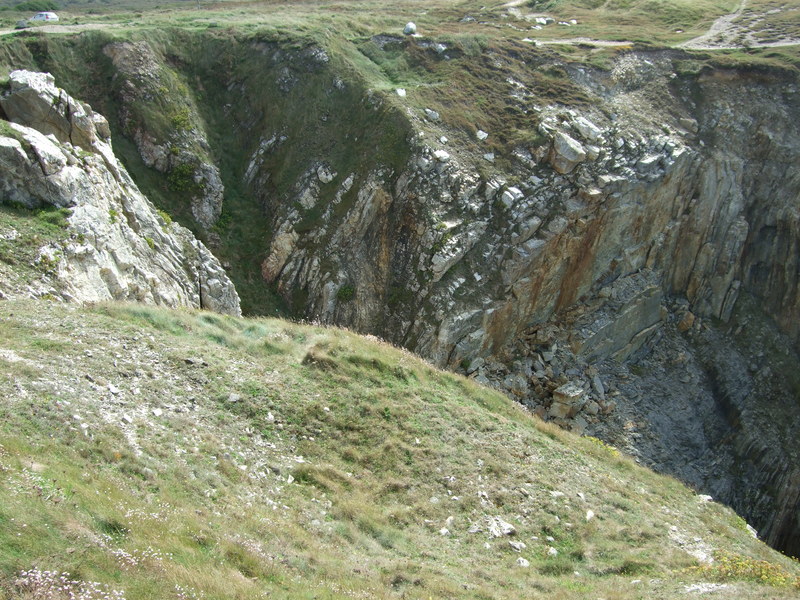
648, 228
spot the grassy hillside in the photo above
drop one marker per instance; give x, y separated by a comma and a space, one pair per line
187, 455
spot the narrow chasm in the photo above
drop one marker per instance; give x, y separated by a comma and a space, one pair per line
614, 245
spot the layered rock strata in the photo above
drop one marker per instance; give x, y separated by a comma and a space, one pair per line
677, 189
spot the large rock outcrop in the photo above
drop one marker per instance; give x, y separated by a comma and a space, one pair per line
56, 151
700, 192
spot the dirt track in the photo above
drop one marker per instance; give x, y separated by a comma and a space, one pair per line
59, 28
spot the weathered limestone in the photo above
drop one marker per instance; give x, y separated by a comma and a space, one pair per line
567, 153
120, 249
568, 400
34, 98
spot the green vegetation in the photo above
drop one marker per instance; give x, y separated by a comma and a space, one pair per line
201, 455
652, 21
731, 566
345, 293
33, 6
181, 178
166, 218
181, 120
23, 234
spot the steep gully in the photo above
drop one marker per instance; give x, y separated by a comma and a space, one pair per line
614, 278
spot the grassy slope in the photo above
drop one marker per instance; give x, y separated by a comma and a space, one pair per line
157, 451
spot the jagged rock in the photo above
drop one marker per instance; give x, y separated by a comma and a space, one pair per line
206, 204
578, 425
44, 177
688, 123
686, 322
516, 384
587, 129
523, 563
442, 156
510, 196
498, 527
282, 246
153, 154
34, 98
324, 174
120, 249
625, 323
598, 387
566, 153
568, 400
141, 69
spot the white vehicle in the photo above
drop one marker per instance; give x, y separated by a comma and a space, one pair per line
45, 16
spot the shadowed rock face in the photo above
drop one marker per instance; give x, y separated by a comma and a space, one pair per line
717, 407
59, 154
142, 76
648, 211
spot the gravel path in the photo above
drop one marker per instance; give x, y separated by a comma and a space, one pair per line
733, 31
587, 41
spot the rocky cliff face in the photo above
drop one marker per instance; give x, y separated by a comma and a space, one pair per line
594, 272
611, 193
56, 151
672, 189
171, 140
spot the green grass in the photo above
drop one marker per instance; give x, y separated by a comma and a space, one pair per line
235, 458
23, 232
655, 21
